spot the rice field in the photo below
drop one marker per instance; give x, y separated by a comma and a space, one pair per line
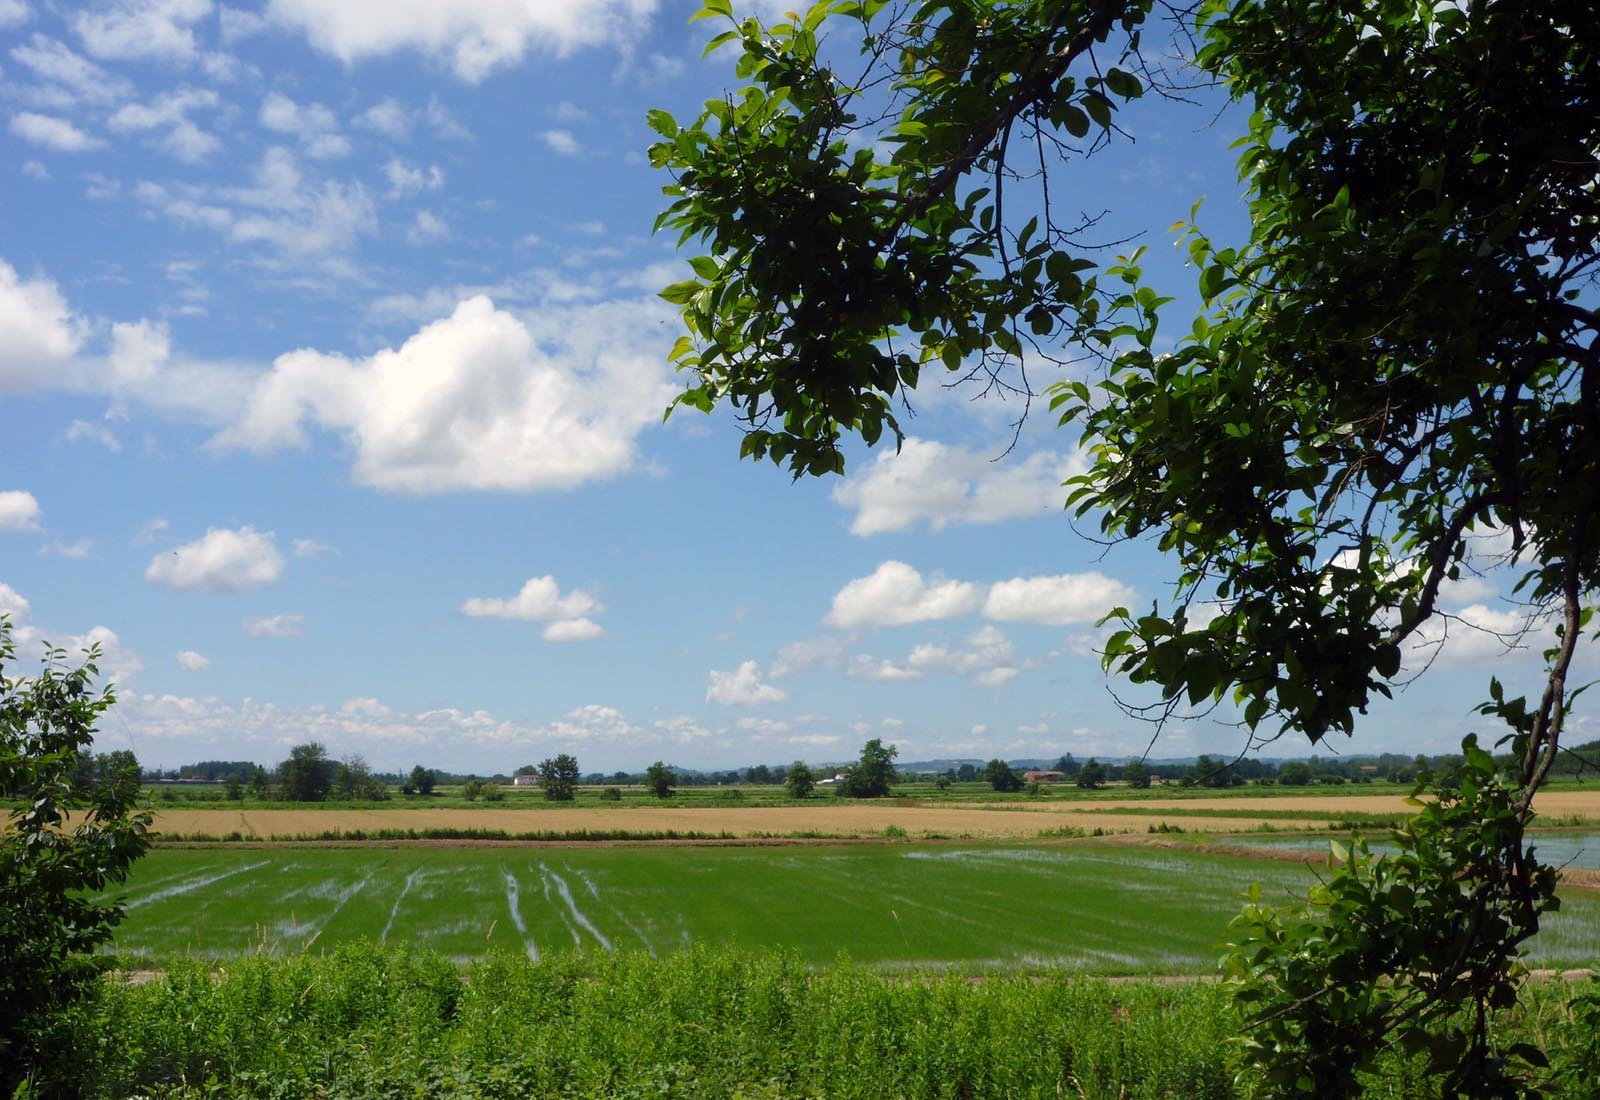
1087, 908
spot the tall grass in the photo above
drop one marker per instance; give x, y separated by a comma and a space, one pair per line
709, 1023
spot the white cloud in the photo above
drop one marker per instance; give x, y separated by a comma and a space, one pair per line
223, 560
427, 228
69, 78
572, 630
118, 664
388, 117
283, 210
52, 133
797, 657
1065, 600
142, 28
562, 142
73, 551
742, 688
285, 625
539, 600
150, 530
190, 661
895, 594
943, 485
879, 670
38, 332
316, 127
182, 139
478, 400
474, 37
35, 170
1479, 635
13, 13
309, 548
19, 511
406, 180
988, 657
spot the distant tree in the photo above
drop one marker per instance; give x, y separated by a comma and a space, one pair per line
800, 781
1066, 765
353, 781
874, 772
1137, 773
307, 775
659, 780
1294, 774
943, 782
260, 782
471, 789
966, 773
1212, 773
423, 780
493, 792
611, 794
759, 774
235, 791
52, 867
1001, 776
559, 778
1092, 775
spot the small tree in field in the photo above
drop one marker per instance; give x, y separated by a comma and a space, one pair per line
659, 780
423, 780
1002, 776
1092, 775
872, 774
801, 780
1137, 773
559, 778
49, 865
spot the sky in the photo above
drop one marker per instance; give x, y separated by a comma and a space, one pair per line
334, 374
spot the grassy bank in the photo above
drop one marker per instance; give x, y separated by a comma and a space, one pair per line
707, 1023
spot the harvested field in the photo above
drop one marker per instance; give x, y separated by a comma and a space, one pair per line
831, 818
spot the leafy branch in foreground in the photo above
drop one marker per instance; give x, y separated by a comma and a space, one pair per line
68, 840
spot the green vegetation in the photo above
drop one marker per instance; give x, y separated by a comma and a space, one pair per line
712, 1023
1090, 909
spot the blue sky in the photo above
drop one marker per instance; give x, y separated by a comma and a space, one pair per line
334, 373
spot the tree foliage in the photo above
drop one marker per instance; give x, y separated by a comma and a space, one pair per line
51, 864
1001, 776
307, 776
1393, 382
800, 781
423, 780
871, 776
660, 779
1137, 774
559, 777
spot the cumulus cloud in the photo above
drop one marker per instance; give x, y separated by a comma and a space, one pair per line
539, 600
68, 78
190, 661
223, 560
941, 485
285, 625
13, 13
479, 400
742, 688
406, 180
315, 126
474, 37
797, 657
52, 133
895, 594
1478, 635
38, 332
181, 137
80, 430
427, 227
19, 511
76, 550
879, 670
142, 28
388, 117
1065, 600
572, 630
562, 142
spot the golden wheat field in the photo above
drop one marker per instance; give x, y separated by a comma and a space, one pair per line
838, 819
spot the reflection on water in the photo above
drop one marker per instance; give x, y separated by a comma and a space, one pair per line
1561, 848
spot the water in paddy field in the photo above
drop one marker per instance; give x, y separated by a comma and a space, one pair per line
1579, 848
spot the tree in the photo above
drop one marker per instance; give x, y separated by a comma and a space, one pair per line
1001, 776
1137, 774
423, 780
1397, 366
966, 773
1294, 774
1092, 775
559, 778
659, 780
801, 780
760, 773
1066, 765
472, 788
307, 775
353, 780
871, 775
50, 924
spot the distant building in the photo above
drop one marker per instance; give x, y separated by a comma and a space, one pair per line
525, 781
1043, 777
